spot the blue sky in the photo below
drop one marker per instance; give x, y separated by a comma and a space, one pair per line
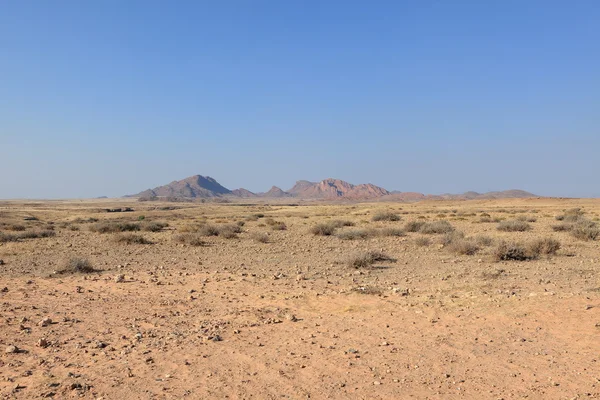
113, 97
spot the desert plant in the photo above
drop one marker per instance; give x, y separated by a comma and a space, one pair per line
585, 230
422, 241
131, 238
436, 227
78, 265
354, 234
513, 226
510, 251
413, 226
340, 223
192, 239
385, 216
545, 246
154, 226
260, 237
392, 232
113, 227
367, 259
208, 230
323, 229
463, 246
484, 241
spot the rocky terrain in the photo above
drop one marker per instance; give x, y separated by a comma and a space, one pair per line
201, 187
373, 300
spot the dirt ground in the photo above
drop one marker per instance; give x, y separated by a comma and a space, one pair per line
235, 317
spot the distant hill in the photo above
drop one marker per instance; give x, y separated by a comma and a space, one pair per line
196, 186
336, 188
203, 187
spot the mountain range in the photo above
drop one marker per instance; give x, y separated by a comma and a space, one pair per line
203, 187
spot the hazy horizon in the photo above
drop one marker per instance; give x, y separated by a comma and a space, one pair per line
111, 98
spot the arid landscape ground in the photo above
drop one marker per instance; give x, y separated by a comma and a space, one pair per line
309, 300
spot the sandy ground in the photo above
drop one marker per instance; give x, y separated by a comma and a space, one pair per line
237, 318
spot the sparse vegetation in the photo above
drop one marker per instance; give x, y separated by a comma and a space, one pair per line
260, 237
513, 226
131, 238
385, 216
192, 239
354, 234
392, 232
513, 251
323, 229
367, 259
413, 226
78, 265
114, 227
422, 241
15, 237
437, 227
585, 230
154, 226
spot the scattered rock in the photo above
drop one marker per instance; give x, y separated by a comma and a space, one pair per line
45, 322
43, 343
11, 350
120, 278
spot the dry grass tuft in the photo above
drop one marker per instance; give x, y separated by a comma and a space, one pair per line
436, 227
367, 259
413, 226
131, 238
78, 266
422, 241
385, 216
260, 237
190, 238
355, 234
513, 226
323, 229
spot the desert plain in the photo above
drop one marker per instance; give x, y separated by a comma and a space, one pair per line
374, 300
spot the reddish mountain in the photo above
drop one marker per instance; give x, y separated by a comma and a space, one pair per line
335, 188
275, 192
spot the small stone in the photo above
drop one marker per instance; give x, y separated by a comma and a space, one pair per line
1, 262
43, 343
120, 278
11, 350
377, 383
45, 322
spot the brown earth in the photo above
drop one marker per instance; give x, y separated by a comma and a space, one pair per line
238, 318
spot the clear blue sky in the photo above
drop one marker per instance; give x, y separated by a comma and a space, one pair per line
113, 97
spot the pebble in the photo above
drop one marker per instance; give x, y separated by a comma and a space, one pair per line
11, 350
43, 343
45, 322
120, 278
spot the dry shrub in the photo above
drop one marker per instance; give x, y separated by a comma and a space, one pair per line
78, 266
413, 226
276, 225
16, 228
545, 246
564, 227
513, 226
131, 238
436, 227
340, 223
585, 230
154, 226
385, 216
323, 229
422, 241
15, 237
114, 227
354, 234
525, 218
367, 259
192, 239
485, 220
208, 230
463, 246
229, 231
510, 251
392, 232
484, 241
260, 237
